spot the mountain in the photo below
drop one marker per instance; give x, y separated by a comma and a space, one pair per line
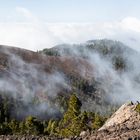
62, 91
40, 83
113, 63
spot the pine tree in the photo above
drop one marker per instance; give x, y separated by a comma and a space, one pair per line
51, 128
14, 126
31, 126
98, 121
71, 124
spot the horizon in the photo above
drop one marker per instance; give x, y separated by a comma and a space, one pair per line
35, 25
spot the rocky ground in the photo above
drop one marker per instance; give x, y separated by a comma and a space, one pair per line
124, 124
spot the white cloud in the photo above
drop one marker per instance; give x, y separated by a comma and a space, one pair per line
131, 23
36, 35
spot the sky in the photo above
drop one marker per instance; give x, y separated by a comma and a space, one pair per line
38, 24
71, 10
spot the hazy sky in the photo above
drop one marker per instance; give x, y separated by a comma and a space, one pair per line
71, 10
38, 24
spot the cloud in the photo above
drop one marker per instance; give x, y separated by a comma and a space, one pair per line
131, 23
35, 34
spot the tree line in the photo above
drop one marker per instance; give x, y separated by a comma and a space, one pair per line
72, 122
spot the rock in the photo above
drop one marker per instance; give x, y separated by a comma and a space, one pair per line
83, 133
124, 124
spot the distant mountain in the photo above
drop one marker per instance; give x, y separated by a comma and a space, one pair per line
40, 83
103, 46
109, 49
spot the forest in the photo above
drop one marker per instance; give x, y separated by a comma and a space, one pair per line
72, 122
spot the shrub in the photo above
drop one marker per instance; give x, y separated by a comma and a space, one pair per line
98, 121
14, 126
51, 128
31, 126
138, 108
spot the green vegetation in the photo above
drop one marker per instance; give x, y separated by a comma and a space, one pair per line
71, 124
98, 121
138, 108
119, 63
50, 52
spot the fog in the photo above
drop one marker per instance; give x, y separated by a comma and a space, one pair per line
120, 86
35, 34
29, 80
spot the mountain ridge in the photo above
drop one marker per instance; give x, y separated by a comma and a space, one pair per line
76, 69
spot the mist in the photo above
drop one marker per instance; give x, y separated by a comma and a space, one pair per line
26, 78
120, 86
28, 81
32, 33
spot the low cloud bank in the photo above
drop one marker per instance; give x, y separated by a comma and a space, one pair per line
33, 34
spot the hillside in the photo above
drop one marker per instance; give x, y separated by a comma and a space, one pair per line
111, 62
37, 87
92, 70
28, 76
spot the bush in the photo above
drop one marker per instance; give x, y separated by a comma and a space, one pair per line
4, 129
138, 108
14, 126
51, 128
98, 121
31, 126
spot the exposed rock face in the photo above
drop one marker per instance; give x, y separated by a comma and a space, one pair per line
126, 114
123, 124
